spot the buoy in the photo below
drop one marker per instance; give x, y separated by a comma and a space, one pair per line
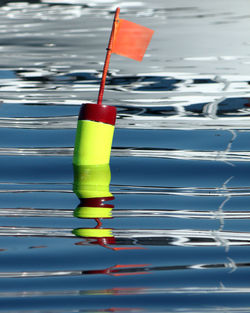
94, 135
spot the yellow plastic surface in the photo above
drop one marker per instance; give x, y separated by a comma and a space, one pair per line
93, 212
92, 181
93, 143
93, 232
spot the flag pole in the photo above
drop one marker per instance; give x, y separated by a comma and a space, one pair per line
107, 59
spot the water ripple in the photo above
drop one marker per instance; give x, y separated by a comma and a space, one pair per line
131, 121
223, 156
129, 189
125, 270
158, 237
125, 213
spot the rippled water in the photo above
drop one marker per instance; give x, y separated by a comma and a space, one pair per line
179, 165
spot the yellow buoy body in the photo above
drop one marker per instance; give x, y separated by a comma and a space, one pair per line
93, 232
93, 143
92, 181
94, 135
93, 212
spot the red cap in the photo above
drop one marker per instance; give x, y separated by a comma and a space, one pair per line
98, 113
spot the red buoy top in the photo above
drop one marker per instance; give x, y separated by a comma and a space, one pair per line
98, 113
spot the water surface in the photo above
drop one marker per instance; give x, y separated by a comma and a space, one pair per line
179, 165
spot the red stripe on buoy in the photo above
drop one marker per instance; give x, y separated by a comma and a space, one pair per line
96, 202
98, 113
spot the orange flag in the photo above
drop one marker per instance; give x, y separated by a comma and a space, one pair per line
131, 40
127, 39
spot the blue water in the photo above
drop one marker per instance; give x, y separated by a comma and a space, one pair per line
179, 163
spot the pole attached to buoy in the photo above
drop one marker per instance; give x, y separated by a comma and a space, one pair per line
108, 55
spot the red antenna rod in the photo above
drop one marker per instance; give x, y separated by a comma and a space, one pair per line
107, 59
